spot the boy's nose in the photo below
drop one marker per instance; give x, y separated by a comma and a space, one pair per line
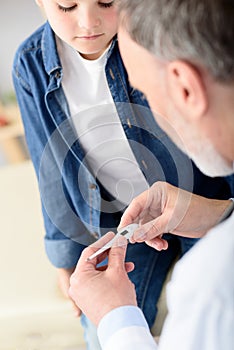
88, 19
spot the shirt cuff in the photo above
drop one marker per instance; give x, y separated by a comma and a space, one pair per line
121, 317
63, 253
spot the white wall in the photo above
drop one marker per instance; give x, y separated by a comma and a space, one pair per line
18, 18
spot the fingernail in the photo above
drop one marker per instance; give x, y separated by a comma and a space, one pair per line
120, 241
157, 246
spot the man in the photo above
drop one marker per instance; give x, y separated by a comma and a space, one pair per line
180, 54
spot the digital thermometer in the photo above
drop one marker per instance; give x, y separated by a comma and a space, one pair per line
126, 231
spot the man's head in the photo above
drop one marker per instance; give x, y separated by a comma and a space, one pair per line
180, 54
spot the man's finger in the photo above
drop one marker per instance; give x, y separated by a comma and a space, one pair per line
87, 252
134, 210
158, 244
76, 309
117, 253
102, 241
151, 229
129, 266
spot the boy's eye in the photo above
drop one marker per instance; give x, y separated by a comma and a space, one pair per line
66, 9
101, 4
106, 4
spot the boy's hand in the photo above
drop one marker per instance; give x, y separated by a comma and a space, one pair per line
64, 276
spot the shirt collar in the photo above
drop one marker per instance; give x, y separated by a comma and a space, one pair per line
49, 50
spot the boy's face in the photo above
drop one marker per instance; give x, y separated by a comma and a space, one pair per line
86, 25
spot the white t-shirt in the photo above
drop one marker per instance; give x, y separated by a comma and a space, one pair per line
200, 303
98, 126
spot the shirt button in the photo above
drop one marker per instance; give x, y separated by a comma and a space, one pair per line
57, 75
92, 186
95, 235
112, 74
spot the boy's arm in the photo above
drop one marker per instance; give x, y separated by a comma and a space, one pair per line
62, 252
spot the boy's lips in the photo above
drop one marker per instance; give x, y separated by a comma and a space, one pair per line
90, 37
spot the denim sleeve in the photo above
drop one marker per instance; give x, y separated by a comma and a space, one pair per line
62, 251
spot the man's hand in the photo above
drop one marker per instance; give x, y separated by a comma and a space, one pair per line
164, 208
96, 291
64, 276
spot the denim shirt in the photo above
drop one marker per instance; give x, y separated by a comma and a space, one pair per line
70, 195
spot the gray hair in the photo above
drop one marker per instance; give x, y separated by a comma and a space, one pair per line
198, 31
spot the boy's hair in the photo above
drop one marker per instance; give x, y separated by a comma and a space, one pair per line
197, 31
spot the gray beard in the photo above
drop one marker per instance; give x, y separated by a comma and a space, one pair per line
210, 162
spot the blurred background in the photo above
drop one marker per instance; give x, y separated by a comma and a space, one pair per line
17, 20
33, 313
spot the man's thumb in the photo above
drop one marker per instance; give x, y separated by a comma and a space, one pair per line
117, 253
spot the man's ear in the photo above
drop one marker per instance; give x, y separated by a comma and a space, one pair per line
186, 90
